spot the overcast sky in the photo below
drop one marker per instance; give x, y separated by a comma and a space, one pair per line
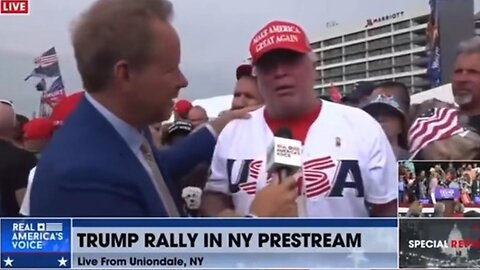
214, 37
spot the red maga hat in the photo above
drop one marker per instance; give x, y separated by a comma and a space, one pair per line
182, 107
38, 129
279, 35
244, 69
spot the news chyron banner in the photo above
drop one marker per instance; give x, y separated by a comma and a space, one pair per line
199, 243
439, 243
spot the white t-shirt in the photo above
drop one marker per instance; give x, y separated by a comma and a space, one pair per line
25, 207
347, 161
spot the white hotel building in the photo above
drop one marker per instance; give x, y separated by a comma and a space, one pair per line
389, 47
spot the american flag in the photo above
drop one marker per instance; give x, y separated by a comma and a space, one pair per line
47, 58
436, 124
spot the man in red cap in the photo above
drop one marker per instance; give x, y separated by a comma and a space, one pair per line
181, 109
349, 169
246, 90
245, 93
39, 132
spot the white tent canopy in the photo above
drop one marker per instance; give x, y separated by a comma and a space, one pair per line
443, 93
215, 105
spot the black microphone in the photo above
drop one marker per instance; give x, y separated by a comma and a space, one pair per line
284, 154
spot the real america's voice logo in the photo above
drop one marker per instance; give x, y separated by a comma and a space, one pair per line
35, 243
32, 236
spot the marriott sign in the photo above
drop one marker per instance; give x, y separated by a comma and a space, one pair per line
373, 21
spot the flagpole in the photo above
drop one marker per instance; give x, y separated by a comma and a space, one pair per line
59, 69
40, 107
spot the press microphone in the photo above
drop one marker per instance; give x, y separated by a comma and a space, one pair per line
284, 154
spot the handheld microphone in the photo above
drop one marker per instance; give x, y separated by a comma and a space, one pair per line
284, 154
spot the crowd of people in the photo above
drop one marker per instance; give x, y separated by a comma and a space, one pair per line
108, 151
425, 183
420, 185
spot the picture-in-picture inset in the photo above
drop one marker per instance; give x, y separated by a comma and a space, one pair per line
439, 188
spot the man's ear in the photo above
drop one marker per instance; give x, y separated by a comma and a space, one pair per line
122, 72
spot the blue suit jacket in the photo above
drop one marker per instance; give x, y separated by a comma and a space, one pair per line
88, 170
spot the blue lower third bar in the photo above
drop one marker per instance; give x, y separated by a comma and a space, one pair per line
36, 260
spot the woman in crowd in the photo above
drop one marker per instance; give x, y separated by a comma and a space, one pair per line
388, 106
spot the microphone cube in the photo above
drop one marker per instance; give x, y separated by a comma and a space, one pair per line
284, 152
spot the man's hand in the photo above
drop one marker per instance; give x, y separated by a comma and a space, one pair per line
277, 199
219, 123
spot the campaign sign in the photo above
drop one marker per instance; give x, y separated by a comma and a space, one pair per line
36, 243
447, 193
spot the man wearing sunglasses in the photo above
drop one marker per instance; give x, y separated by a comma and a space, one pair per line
15, 163
349, 169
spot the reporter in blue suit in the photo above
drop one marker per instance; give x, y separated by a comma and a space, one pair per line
98, 164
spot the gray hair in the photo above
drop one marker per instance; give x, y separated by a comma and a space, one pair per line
469, 46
